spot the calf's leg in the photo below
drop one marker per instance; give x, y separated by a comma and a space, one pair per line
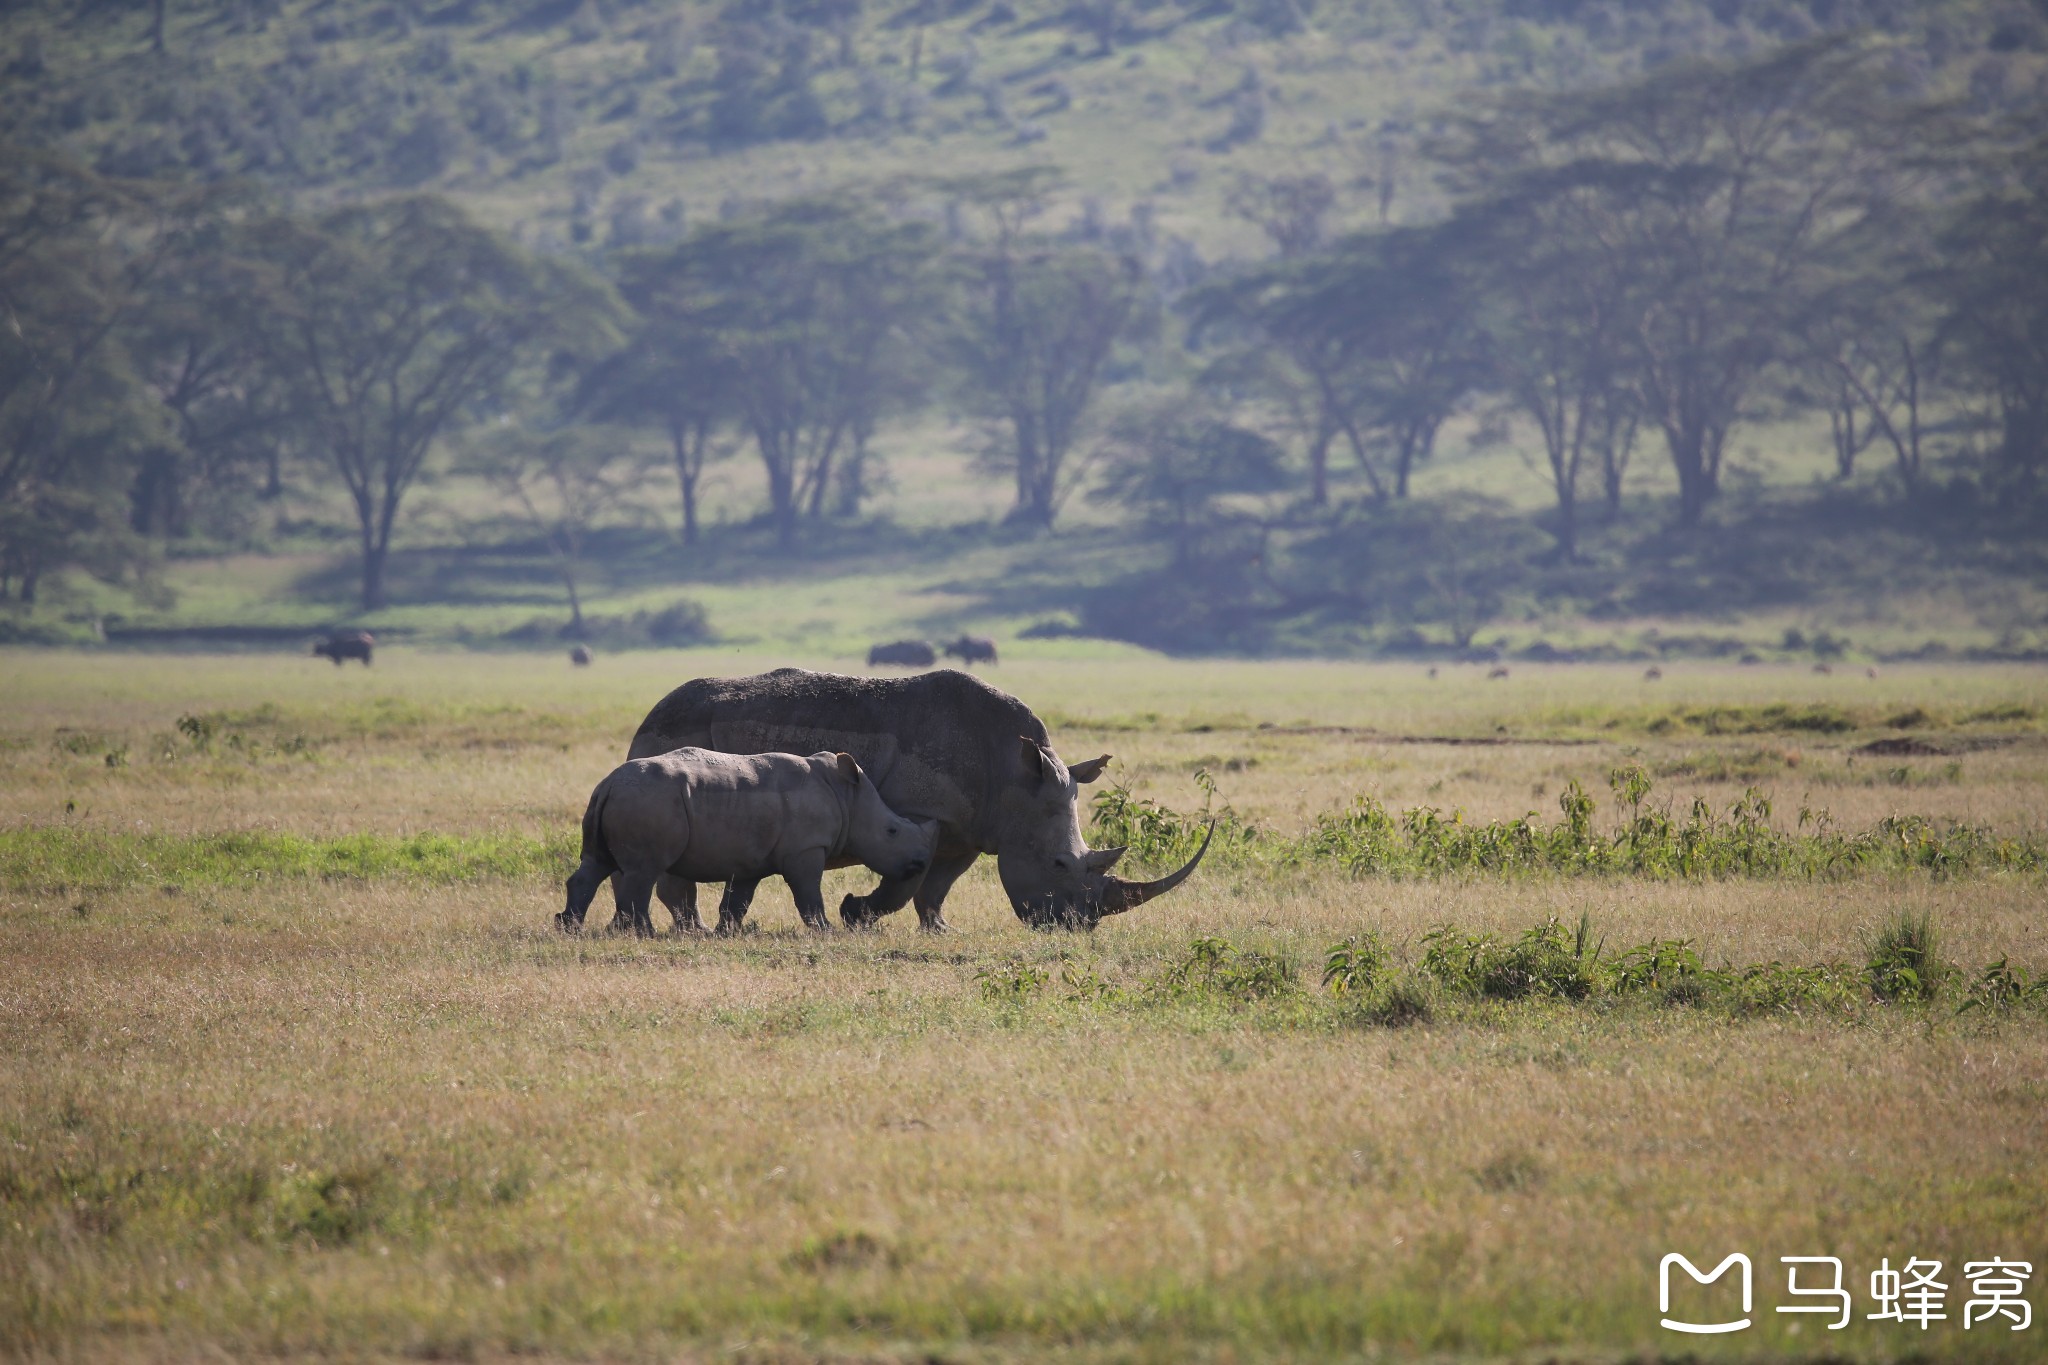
631, 892
861, 912
805, 874
582, 886
734, 903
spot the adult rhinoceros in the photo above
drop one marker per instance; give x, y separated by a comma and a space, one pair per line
941, 746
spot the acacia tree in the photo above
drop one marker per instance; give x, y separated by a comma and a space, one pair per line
199, 349
1993, 284
1711, 191
1392, 316
1038, 321
811, 313
1172, 464
389, 324
77, 252
1555, 319
563, 482
677, 378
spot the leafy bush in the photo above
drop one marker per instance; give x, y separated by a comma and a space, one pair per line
1400, 1001
1903, 962
1215, 968
1011, 983
2001, 986
1546, 960
1649, 840
1353, 967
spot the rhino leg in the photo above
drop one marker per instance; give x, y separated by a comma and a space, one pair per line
631, 892
734, 904
582, 888
805, 874
931, 892
861, 912
679, 894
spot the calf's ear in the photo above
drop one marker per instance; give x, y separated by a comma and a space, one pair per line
1034, 757
1090, 770
849, 769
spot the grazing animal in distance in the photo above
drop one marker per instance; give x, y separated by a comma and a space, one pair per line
1432, 670
1870, 672
580, 656
941, 746
1822, 668
972, 649
1497, 671
907, 653
1653, 674
353, 644
736, 818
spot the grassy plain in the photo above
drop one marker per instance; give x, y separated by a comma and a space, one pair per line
378, 1109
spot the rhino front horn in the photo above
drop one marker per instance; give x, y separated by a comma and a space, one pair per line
1120, 895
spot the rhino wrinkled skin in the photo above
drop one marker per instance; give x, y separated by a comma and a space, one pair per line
942, 746
698, 816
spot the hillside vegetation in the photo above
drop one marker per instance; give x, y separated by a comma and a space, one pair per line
1271, 326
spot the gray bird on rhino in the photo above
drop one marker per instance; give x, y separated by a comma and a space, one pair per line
703, 816
941, 746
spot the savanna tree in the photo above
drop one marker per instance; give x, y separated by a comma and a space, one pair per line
389, 325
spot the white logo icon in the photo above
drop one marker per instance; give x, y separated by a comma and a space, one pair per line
1703, 1328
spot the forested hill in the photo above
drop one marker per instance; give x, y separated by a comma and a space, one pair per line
609, 122
1204, 324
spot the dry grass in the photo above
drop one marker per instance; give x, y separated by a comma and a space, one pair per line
376, 1119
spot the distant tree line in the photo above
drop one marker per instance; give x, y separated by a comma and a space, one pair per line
1632, 271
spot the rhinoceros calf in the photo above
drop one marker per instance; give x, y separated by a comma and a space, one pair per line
702, 816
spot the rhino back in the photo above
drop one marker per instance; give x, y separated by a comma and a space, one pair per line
742, 812
937, 745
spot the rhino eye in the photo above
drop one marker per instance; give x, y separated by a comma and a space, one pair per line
892, 829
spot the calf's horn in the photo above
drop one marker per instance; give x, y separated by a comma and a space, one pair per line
1120, 895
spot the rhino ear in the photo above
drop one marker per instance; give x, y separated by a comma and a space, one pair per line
1034, 757
1090, 770
849, 769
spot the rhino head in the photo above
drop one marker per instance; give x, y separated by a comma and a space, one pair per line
888, 843
1053, 879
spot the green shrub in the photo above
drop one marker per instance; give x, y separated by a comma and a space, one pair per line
2000, 986
1399, 1001
1353, 967
1904, 963
1215, 968
1546, 960
1782, 988
1011, 983
1661, 965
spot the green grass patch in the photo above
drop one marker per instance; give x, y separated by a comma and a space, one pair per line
1647, 840
67, 859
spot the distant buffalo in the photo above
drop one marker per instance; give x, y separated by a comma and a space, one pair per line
972, 649
354, 644
908, 653
579, 655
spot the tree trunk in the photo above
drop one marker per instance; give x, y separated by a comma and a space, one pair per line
156, 26
273, 483
1319, 466
575, 601
687, 469
373, 573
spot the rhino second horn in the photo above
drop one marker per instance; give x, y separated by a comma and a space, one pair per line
1121, 895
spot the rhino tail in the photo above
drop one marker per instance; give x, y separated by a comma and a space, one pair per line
595, 849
